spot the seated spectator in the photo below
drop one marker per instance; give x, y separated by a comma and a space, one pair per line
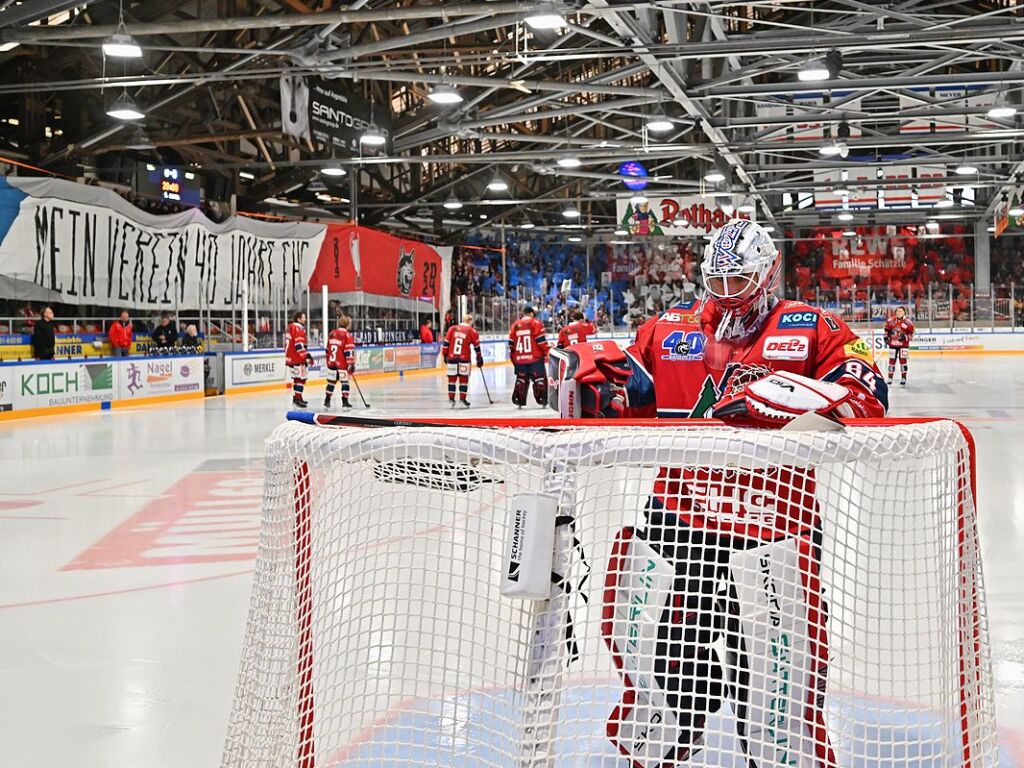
190, 342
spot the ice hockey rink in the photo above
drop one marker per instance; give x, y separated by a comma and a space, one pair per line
127, 541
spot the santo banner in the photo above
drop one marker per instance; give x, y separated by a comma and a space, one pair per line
363, 265
73, 244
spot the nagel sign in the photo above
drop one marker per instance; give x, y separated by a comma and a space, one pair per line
686, 215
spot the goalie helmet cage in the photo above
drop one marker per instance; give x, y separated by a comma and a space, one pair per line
377, 634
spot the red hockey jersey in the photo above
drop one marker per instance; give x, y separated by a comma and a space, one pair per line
526, 341
457, 343
575, 333
341, 347
898, 333
681, 371
295, 351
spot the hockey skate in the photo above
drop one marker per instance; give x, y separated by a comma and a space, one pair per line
327, 402
345, 403
464, 403
298, 402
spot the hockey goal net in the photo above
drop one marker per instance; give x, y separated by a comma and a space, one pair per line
842, 621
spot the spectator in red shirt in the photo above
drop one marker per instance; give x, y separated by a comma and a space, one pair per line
120, 335
427, 332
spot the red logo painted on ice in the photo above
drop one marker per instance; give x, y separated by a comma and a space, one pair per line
211, 515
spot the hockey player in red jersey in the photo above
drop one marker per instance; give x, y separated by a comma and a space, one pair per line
455, 351
575, 332
726, 536
528, 350
297, 357
341, 361
898, 333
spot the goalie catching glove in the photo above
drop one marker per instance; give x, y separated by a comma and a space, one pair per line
780, 397
590, 379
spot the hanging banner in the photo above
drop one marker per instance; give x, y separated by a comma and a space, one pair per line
675, 216
861, 182
877, 253
295, 107
328, 113
359, 264
74, 244
811, 106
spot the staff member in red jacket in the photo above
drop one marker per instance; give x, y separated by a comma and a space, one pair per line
120, 335
427, 332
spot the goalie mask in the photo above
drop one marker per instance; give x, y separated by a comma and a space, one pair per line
741, 270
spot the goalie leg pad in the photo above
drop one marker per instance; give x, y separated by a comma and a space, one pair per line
778, 654
519, 390
659, 640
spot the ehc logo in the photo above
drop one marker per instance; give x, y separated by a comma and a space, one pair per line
786, 348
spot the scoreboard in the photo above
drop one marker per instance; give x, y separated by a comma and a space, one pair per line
170, 183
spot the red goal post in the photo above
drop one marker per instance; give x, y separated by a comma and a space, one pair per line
376, 600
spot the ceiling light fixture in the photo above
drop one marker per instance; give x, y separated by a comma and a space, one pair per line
333, 170
747, 206
497, 184
658, 122
122, 46
714, 176
1001, 111
571, 211
834, 148
569, 162
373, 136
527, 224
965, 170
813, 71
444, 94
620, 232
125, 109
452, 203
545, 17
575, 239
247, 175
637, 200
845, 216
849, 233
1016, 210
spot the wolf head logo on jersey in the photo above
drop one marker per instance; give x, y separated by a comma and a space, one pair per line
406, 270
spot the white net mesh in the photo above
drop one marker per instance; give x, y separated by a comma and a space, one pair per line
775, 599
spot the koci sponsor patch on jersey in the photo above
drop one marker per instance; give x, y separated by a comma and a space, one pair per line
786, 348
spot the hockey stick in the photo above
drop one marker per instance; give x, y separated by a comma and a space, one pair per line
359, 389
486, 388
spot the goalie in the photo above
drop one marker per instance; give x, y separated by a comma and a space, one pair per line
715, 596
